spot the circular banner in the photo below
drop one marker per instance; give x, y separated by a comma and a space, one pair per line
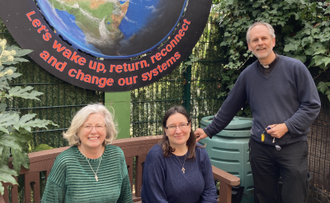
107, 45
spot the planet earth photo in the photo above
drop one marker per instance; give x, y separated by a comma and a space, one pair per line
113, 29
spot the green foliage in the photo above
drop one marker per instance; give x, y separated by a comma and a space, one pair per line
59, 102
189, 62
194, 85
15, 129
324, 88
6, 176
42, 147
302, 31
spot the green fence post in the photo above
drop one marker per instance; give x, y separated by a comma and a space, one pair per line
121, 102
187, 93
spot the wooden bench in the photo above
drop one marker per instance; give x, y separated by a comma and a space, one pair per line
135, 150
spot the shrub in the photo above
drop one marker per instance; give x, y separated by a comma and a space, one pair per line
15, 129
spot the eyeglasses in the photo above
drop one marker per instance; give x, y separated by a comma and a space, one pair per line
172, 128
97, 127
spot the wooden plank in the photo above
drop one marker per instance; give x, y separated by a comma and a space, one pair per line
225, 193
14, 193
129, 163
225, 177
139, 169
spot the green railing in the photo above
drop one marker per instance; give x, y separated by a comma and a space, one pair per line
59, 102
197, 88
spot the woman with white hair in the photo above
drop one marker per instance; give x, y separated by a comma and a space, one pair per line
91, 170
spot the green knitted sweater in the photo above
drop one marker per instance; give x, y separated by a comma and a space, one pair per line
71, 179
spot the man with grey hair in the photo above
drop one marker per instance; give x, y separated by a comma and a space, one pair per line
284, 102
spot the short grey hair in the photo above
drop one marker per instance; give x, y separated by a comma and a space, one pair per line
80, 118
270, 28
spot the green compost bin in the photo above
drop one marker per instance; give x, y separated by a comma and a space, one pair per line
229, 151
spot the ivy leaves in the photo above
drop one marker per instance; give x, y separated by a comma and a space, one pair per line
302, 31
323, 87
313, 42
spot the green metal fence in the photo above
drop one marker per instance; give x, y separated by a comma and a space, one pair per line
196, 87
59, 102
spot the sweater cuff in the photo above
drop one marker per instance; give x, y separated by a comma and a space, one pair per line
207, 132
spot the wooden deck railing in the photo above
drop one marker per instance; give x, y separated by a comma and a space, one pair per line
133, 148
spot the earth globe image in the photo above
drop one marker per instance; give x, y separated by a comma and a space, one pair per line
113, 29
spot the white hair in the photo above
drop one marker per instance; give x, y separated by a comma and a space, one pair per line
80, 118
270, 28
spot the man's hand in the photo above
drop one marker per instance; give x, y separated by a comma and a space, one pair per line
200, 134
277, 130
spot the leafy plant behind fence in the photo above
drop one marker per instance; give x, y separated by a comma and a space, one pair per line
15, 128
302, 31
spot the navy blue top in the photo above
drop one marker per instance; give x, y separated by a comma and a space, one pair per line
287, 95
164, 182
